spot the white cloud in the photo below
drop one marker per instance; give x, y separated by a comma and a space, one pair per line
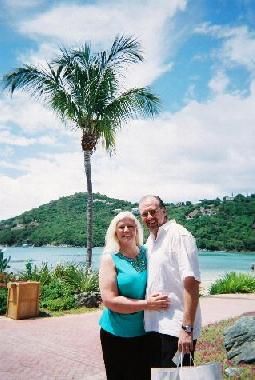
73, 25
219, 83
45, 52
44, 179
10, 139
238, 46
202, 151
100, 22
6, 153
32, 119
26, 114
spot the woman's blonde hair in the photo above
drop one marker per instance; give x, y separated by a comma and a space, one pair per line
111, 242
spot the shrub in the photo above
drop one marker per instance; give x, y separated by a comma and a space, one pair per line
57, 295
90, 282
59, 285
55, 289
3, 300
4, 261
234, 283
60, 304
42, 274
78, 277
71, 274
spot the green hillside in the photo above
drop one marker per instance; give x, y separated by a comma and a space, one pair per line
227, 224
61, 222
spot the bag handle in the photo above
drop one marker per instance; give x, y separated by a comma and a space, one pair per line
180, 359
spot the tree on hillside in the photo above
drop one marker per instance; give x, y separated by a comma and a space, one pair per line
86, 89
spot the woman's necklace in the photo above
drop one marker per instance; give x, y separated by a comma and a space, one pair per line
139, 262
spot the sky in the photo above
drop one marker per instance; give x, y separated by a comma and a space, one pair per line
199, 59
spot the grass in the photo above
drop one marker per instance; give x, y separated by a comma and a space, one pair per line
78, 310
210, 348
234, 283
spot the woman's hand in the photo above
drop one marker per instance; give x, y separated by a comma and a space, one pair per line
158, 301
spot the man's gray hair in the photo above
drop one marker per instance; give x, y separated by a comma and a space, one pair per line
149, 196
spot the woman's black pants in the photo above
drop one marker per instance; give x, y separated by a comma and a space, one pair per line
124, 358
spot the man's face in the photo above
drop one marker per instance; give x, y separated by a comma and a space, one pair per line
152, 215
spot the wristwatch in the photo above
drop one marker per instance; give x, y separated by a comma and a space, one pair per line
187, 328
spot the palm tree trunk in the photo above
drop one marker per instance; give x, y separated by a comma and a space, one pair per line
87, 167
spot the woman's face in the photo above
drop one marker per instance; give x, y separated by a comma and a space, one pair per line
126, 231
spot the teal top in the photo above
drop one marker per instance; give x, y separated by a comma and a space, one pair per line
131, 281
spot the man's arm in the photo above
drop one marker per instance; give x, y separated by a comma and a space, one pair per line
190, 298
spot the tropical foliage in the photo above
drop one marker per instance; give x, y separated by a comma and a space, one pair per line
61, 222
222, 225
234, 283
4, 261
3, 300
59, 286
230, 228
86, 89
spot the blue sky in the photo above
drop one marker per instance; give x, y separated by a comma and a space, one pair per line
200, 60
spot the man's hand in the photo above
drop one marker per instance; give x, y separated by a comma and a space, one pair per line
185, 343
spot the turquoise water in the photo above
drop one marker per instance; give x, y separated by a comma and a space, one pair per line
215, 264
212, 264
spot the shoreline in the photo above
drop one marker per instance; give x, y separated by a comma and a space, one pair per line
200, 251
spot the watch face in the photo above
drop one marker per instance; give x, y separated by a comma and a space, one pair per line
188, 328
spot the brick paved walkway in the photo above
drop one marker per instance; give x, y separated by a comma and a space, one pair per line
65, 348
51, 348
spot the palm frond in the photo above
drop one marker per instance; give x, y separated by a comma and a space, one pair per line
107, 133
132, 104
147, 104
84, 87
62, 103
44, 84
26, 77
83, 56
135, 103
124, 50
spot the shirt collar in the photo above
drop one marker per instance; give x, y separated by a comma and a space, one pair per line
164, 227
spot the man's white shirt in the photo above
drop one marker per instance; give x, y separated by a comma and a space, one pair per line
171, 258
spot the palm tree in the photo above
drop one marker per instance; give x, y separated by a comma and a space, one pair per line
85, 88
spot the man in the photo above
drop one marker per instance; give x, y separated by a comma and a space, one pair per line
173, 270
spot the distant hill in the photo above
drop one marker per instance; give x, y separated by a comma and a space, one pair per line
61, 222
227, 224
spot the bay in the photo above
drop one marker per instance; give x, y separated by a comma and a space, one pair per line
213, 265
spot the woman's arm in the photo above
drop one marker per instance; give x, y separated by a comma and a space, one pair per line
121, 304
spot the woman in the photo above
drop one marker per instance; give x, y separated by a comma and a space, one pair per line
122, 280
